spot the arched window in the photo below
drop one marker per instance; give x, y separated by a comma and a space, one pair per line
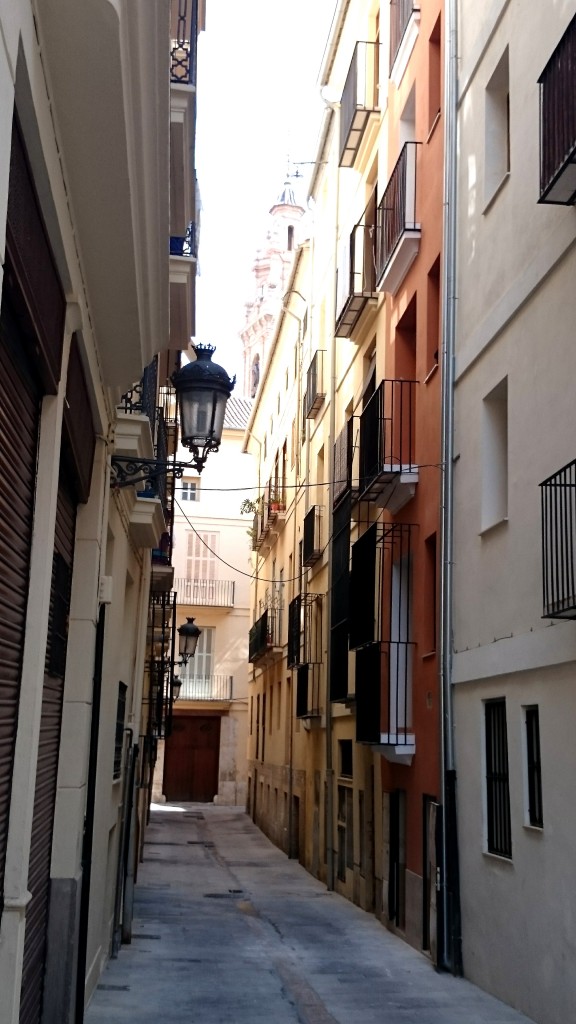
255, 376
290, 237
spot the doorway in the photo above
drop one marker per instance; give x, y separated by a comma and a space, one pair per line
191, 758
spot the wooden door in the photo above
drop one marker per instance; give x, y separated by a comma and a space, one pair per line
191, 758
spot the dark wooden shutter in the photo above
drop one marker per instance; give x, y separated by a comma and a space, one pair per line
48, 751
19, 419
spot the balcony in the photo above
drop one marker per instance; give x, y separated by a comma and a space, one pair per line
185, 245
340, 603
312, 538
404, 26
315, 391
398, 234
264, 638
343, 461
360, 101
182, 288
305, 630
558, 123
356, 278
558, 501
184, 34
380, 632
205, 593
387, 472
206, 688
384, 700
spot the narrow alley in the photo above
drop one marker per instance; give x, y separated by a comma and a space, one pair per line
227, 930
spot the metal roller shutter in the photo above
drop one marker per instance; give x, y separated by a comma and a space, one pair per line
19, 419
48, 751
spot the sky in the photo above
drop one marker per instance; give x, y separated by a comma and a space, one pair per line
258, 104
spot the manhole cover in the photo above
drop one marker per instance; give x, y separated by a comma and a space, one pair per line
134, 936
114, 988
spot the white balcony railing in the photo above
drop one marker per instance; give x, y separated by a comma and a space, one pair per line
206, 688
210, 593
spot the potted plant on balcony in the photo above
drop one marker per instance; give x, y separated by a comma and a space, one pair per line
276, 503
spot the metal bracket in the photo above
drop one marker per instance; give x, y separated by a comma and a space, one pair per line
127, 471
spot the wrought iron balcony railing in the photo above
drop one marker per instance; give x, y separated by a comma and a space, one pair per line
401, 12
356, 277
380, 632
305, 630
315, 392
213, 687
398, 233
558, 123
360, 99
344, 447
141, 398
312, 538
264, 635
184, 19
384, 695
207, 593
558, 501
387, 469
340, 602
381, 585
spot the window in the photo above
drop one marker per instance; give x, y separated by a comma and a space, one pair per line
255, 376
431, 584
345, 758
189, 490
433, 316
434, 75
533, 767
497, 129
201, 556
499, 835
119, 736
495, 456
198, 672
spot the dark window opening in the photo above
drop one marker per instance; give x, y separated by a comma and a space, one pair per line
534, 766
497, 780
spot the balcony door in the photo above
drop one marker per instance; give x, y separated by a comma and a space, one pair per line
201, 567
197, 680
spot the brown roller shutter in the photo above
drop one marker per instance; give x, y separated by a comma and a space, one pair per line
48, 751
19, 420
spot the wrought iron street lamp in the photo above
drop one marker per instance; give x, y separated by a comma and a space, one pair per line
188, 636
202, 391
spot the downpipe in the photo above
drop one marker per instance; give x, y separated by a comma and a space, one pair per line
450, 945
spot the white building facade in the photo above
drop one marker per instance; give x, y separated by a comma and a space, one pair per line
514, 657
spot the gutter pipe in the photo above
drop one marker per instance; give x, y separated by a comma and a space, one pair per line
450, 951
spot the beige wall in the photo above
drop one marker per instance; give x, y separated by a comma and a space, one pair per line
515, 280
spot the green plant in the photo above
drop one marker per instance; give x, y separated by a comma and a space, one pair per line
251, 506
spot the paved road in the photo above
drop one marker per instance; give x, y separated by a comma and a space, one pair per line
227, 930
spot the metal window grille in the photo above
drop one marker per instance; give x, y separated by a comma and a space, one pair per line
558, 499
119, 736
534, 767
497, 780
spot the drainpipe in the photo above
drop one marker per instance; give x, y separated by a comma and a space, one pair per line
450, 953
330, 851
285, 309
